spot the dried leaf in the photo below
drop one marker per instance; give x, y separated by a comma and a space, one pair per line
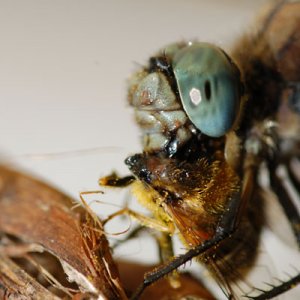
31, 212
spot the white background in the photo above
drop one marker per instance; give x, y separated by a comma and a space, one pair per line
63, 71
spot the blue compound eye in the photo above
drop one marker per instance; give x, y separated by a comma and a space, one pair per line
208, 85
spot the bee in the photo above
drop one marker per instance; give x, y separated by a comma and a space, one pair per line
211, 123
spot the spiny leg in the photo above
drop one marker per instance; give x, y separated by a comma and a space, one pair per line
294, 103
286, 202
279, 289
294, 218
294, 179
178, 261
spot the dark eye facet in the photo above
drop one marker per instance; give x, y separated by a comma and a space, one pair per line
208, 85
207, 90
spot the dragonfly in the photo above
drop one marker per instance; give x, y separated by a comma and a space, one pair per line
211, 123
